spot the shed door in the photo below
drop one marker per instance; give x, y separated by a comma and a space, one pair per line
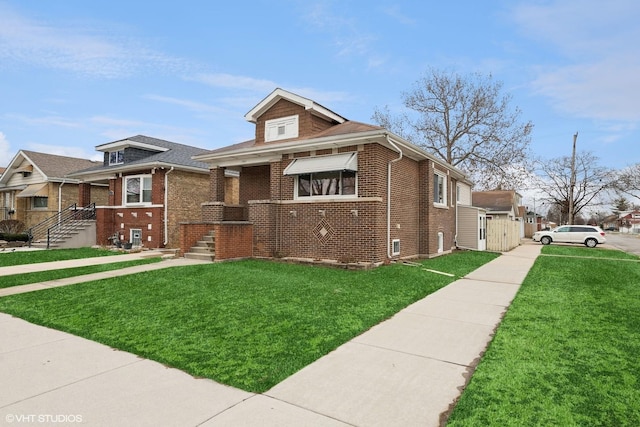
482, 232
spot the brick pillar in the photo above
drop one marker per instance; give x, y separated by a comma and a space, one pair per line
112, 193
84, 194
216, 185
276, 180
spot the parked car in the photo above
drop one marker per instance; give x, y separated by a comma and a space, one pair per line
587, 235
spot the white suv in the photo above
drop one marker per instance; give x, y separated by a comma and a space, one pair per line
588, 235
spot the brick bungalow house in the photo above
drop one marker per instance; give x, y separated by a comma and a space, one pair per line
153, 185
35, 186
316, 186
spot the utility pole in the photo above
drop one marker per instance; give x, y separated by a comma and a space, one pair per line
572, 180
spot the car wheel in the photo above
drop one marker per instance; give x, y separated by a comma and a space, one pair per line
591, 243
545, 240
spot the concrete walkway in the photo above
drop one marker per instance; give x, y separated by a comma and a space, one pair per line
405, 371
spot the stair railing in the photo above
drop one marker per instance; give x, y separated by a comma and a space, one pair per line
61, 222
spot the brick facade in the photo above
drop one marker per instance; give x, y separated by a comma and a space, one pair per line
185, 196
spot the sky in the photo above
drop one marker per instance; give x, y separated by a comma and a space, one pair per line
75, 74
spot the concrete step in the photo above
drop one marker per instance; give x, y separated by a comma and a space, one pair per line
202, 257
202, 250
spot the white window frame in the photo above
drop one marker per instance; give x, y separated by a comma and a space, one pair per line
142, 178
119, 157
296, 196
281, 128
395, 243
443, 193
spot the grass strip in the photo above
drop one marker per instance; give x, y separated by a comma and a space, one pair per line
567, 350
45, 276
571, 251
248, 324
37, 256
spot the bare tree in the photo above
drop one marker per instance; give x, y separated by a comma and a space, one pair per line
591, 181
467, 122
628, 181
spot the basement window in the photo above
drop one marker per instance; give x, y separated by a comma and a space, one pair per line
395, 247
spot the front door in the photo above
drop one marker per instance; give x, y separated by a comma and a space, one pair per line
482, 232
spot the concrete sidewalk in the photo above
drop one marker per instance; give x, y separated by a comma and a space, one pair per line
58, 265
405, 371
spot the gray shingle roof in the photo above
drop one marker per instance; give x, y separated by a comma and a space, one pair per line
176, 155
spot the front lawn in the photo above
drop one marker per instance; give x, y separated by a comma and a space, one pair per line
568, 350
31, 257
45, 276
248, 324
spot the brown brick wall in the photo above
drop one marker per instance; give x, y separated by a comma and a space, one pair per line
263, 217
216, 185
308, 124
233, 241
187, 192
255, 183
342, 231
185, 196
438, 219
212, 211
405, 218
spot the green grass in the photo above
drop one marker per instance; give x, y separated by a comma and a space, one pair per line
586, 252
568, 350
45, 276
36, 256
248, 324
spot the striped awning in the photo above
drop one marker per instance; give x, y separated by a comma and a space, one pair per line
34, 190
335, 162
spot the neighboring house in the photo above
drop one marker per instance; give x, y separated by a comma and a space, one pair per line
629, 222
316, 186
35, 186
153, 186
499, 204
610, 223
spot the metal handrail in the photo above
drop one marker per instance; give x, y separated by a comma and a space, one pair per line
61, 222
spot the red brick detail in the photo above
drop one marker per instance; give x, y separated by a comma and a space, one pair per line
190, 233
233, 240
84, 194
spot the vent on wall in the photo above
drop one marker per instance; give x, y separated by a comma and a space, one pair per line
395, 243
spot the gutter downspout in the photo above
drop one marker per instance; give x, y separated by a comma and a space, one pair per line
389, 255
166, 206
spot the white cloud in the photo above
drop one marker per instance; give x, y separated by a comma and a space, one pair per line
230, 81
75, 49
397, 15
601, 60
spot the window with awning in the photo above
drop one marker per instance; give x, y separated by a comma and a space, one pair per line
35, 190
325, 176
332, 163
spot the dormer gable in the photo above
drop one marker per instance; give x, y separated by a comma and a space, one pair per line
127, 150
285, 116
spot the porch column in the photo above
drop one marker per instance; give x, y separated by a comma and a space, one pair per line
216, 185
84, 194
275, 180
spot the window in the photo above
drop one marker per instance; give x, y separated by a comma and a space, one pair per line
395, 247
282, 128
116, 157
138, 189
439, 189
336, 183
40, 202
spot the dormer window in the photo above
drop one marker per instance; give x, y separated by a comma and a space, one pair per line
282, 128
116, 157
